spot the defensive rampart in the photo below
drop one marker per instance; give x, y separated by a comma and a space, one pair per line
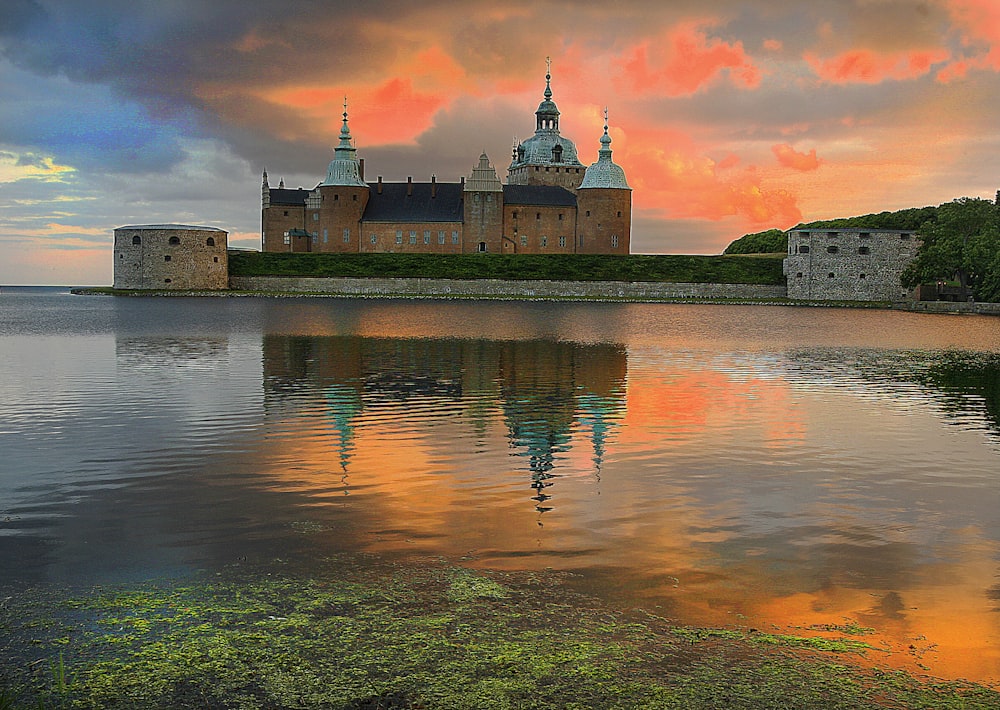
497, 288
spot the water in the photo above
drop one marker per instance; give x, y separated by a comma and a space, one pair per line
780, 468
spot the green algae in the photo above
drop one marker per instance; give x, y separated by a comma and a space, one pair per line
425, 635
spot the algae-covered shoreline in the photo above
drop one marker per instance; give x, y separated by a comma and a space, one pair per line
361, 632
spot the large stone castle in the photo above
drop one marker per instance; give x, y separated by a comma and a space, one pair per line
550, 204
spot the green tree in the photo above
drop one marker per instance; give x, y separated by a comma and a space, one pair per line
773, 241
961, 244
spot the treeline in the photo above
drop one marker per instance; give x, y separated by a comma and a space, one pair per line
548, 267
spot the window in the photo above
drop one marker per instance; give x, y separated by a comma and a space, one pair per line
354, 198
832, 249
325, 236
538, 215
440, 237
315, 216
210, 242
588, 213
803, 248
374, 239
166, 281
137, 239
614, 241
399, 236
524, 240
174, 240
347, 236
167, 257
619, 213
515, 214
832, 234
904, 236
482, 247
286, 213
454, 237
545, 241
798, 275
560, 217
830, 275
861, 276
121, 256
413, 236
562, 241
288, 239
336, 198
864, 250
427, 237
864, 235
215, 259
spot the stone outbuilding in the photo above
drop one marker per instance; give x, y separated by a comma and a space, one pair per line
849, 264
171, 256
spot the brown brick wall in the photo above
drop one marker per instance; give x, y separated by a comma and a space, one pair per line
385, 237
604, 215
278, 219
537, 230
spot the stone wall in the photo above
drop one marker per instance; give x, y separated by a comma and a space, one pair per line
170, 256
495, 288
848, 264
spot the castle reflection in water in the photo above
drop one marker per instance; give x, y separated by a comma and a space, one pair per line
544, 391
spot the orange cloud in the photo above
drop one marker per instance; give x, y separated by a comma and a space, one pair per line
685, 61
865, 66
979, 23
791, 158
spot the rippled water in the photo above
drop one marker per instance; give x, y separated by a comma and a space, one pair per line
764, 466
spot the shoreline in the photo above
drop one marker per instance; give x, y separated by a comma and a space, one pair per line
938, 307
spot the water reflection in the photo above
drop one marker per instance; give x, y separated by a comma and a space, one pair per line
546, 393
767, 467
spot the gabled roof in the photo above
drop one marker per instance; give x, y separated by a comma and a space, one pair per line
283, 196
394, 205
539, 195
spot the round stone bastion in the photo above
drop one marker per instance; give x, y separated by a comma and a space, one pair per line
171, 256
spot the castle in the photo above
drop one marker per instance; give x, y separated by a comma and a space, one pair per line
550, 204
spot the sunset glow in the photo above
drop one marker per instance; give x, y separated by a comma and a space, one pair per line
758, 115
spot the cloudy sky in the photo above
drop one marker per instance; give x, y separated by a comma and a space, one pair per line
728, 116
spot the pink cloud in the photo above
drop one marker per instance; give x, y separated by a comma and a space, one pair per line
978, 22
685, 61
866, 66
791, 158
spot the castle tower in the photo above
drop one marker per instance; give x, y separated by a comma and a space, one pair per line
604, 199
334, 208
547, 158
483, 210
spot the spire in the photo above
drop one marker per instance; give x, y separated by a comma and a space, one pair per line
547, 115
344, 169
548, 77
605, 173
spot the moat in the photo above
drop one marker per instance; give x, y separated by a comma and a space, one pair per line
780, 468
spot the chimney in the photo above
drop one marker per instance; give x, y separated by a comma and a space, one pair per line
378, 189
409, 186
434, 187
361, 169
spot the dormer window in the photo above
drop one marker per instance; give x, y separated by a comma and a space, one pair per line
557, 153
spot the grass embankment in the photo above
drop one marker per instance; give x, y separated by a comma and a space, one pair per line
379, 635
763, 270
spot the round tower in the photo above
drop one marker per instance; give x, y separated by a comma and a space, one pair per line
604, 204
335, 207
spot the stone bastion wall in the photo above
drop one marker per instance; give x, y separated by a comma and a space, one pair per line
497, 288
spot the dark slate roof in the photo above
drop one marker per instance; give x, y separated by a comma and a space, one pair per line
283, 196
539, 195
394, 205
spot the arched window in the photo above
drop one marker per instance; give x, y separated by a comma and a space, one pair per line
174, 240
557, 151
137, 239
210, 242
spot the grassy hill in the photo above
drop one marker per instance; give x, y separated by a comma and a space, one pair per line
758, 269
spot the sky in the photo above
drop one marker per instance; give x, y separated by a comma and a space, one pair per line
728, 117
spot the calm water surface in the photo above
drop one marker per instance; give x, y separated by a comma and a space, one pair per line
778, 468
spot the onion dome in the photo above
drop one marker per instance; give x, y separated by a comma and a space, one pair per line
547, 146
605, 172
344, 169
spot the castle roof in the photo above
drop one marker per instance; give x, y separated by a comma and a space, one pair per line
393, 204
344, 169
539, 195
547, 146
282, 196
605, 173
172, 226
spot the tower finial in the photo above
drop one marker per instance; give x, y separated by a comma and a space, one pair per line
548, 77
